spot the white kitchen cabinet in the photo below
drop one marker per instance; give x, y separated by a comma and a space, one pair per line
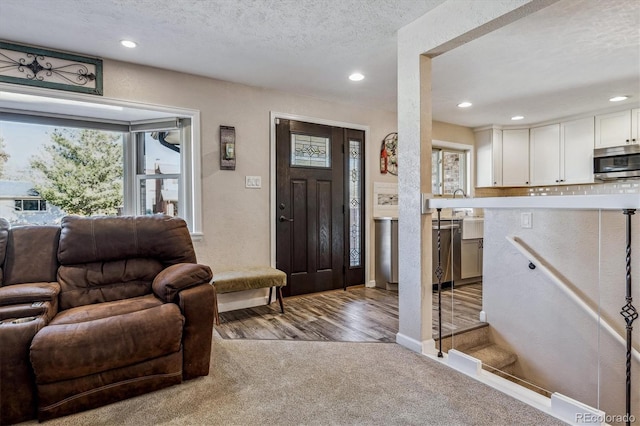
515, 157
635, 125
471, 254
489, 158
576, 152
562, 153
544, 155
615, 129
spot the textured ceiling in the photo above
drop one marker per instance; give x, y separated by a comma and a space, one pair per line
565, 59
302, 46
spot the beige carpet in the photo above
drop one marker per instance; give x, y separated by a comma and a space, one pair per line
272, 382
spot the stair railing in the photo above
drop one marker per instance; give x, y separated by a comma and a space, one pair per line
439, 273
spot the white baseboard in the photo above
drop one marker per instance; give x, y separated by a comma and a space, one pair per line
514, 390
409, 343
429, 347
371, 283
243, 299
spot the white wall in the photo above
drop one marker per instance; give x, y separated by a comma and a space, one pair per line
556, 342
236, 220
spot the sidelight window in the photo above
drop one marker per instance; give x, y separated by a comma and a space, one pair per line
355, 202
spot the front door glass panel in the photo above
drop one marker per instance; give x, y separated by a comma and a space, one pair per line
310, 151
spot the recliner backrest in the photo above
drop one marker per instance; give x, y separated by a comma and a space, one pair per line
111, 258
31, 254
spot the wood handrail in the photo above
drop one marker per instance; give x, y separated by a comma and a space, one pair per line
540, 264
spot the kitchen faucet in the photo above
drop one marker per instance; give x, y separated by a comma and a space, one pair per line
464, 194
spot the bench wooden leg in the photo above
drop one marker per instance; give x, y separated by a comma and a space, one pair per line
279, 296
270, 291
215, 305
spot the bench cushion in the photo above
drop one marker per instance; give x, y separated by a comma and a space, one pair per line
248, 278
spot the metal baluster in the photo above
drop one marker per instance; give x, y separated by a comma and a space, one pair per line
629, 313
439, 274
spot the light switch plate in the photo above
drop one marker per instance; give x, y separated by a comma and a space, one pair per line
253, 182
526, 220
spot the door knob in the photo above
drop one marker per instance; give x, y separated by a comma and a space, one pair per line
284, 219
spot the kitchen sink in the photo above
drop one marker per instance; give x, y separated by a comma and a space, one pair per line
472, 228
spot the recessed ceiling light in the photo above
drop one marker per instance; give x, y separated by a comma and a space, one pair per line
464, 104
128, 43
618, 98
517, 117
356, 76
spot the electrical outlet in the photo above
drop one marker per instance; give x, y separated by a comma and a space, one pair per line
526, 220
253, 182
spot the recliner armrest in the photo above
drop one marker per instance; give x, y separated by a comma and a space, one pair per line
168, 283
28, 293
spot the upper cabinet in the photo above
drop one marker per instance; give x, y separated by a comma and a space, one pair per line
554, 154
515, 157
545, 155
616, 128
562, 153
635, 125
576, 151
489, 158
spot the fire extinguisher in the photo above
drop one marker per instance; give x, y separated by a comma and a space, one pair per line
384, 159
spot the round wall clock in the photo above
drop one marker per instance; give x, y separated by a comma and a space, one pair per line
389, 154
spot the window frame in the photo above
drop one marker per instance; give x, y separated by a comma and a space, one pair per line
41, 203
468, 151
190, 179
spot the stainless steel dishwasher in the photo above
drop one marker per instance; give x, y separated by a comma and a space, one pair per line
450, 244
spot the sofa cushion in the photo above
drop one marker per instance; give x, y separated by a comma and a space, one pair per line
104, 310
99, 282
67, 351
31, 254
97, 239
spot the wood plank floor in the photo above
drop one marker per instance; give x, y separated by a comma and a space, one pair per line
460, 308
359, 314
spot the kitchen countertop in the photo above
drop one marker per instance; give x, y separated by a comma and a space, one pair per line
568, 202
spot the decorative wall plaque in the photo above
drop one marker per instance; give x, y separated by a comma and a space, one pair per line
46, 68
227, 148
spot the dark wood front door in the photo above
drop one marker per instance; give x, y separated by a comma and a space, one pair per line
309, 206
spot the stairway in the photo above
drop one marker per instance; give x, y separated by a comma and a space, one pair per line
476, 342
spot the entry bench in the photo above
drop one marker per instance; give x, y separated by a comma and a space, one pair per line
248, 278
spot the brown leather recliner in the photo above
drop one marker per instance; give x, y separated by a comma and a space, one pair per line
129, 312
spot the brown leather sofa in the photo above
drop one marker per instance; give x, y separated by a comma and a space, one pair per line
98, 310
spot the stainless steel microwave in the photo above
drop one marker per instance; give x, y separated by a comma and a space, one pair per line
619, 162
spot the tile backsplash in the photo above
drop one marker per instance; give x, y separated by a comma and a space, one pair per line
630, 186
